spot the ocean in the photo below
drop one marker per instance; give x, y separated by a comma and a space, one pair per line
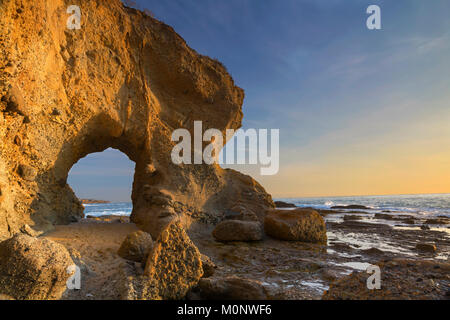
105, 209
428, 205
423, 205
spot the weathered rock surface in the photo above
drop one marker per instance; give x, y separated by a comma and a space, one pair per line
237, 230
400, 280
136, 246
296, 225
231, 288
126, 81
173, 268
33, 269
174, 264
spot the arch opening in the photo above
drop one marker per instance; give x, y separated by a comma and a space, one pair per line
103, 182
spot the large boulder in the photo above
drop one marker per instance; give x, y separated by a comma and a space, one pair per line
304, 225
33, 269
136, 246
237, 230
231, 288
174, 264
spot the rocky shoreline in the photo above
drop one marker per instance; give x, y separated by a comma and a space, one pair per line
196, 231
296, 270
275, 269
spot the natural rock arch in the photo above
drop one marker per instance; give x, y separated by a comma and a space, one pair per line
126, 81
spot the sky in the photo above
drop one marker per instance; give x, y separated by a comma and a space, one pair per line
360, 112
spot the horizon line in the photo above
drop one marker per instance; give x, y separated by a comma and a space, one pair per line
363, 195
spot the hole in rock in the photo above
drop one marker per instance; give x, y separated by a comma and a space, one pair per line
104, 179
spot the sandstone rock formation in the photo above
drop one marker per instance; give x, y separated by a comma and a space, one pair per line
126, 81
236, 230
136, 246
173, 267
174, 263
304, 225
33, 269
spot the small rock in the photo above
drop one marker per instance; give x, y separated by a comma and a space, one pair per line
33, 269
373, 251
231, 288
209, 267
352, 217
328, 275
136, 246
237, 230
426, 247
296, 225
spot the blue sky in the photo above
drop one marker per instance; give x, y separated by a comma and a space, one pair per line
349, 102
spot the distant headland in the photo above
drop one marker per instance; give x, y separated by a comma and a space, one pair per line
90, 201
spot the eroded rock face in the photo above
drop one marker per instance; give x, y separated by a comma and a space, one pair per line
33, 269
304, 225
126, 81
174, 263
173, 267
